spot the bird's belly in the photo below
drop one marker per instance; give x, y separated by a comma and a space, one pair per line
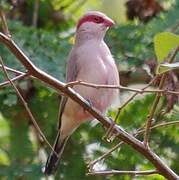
100, 98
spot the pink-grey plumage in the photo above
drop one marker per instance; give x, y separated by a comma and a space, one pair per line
90, 60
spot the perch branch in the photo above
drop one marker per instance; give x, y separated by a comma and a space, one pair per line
61, 87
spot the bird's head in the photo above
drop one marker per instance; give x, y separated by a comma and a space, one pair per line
93, 24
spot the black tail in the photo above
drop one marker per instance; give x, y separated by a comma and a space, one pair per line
53, 160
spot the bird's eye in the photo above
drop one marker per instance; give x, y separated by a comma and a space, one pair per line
98, 20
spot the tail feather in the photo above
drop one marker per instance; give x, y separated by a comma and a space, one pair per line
53, 160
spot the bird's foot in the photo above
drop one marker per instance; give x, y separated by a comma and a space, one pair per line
89, 103
109, 136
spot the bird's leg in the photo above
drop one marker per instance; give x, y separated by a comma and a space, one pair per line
90, 103
108, 136
109, 133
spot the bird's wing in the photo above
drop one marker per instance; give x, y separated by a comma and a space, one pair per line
72, 67
71, 75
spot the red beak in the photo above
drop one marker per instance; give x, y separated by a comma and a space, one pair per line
108, 22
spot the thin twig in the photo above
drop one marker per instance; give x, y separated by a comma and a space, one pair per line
163, 124
4, 23
26, 108
135, 94
12, 70
91, 164
35, 13
138, 91
156, 100
117, 172
13, 79
174, 28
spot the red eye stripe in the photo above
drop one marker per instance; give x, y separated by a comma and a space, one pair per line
90, 18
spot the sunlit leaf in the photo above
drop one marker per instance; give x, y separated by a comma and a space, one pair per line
163, 43
161, 69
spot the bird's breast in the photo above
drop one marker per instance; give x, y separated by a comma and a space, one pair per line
95, 70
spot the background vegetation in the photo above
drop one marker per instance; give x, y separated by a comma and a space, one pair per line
47, 40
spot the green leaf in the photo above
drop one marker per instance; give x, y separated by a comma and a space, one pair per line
163, 43
161, 69
10, 100
167, 67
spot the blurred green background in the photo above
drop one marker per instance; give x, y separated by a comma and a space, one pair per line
44, 30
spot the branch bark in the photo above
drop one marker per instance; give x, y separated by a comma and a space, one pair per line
4, 23
13, 79
138, 91
35, 13
13, 70
60, 86
117, 172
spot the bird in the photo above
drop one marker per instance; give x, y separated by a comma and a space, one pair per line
91, 61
